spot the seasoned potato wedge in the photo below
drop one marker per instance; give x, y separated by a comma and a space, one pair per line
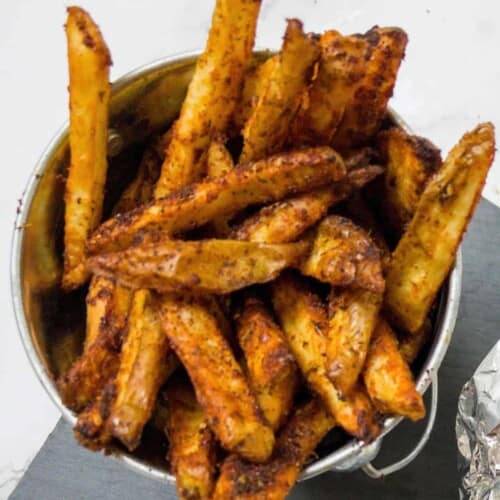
340, 69
192, 446
426, 252
257, 80
344, 255
99, 361
144, 367
410, 344
410, 162
89, 61
219, 383
303, 320
264, 181
212, 93
271, 369
219, 161
274, 480
352, 316
267, 128
388, 378
364, 114
205, 266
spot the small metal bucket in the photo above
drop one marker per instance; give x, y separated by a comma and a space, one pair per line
51, 324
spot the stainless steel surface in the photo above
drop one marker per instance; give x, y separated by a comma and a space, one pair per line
36, 259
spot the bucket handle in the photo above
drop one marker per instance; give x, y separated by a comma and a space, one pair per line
375, 473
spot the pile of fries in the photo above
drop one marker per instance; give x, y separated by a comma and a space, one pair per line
270, 273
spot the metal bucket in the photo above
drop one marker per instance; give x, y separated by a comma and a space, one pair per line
51, 324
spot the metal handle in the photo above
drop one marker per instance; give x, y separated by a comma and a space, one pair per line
375, 473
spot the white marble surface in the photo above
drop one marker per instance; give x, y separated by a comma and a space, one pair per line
449, 81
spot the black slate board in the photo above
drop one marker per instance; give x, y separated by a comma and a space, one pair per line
63, 470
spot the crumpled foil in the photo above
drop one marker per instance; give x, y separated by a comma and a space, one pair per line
478, 431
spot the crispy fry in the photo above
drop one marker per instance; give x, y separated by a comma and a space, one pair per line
364, 114
410, 162
100, 359
353, 315
388, 378
410, 344
144, 367
344, 255
257, 80
303, 320
219, 161
426, 251
272, 371
212, 93
340, 69
206, 266
268, 126
274, 480
192, 445
260, 182
218, 380
89, 61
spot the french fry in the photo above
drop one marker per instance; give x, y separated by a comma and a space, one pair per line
426, 252
272, 371
219, 161
212, 93
344, 255
340, 69
89, 61
257, 80
192, 447
410, 344
144, 366
264, 181
267, 128
410, 162
352, 316
100, 359
364, 114
388, 378
274, 480
206, 266
286, 220
303, 320
219, 383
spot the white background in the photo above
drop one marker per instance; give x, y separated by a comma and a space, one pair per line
449, 82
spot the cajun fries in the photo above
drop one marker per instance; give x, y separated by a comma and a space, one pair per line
189, 273
89, 61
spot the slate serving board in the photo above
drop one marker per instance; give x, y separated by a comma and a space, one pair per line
63, 470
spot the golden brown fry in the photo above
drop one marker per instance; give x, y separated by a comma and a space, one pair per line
257, 80
192, 446
388, 377
410, 161
89, 61
410, 344
364, 114
264, 181
219, 160
206, 266
274, 480
212, 93
268, 126
100, 359
144, 367
353, 315
218, 380
303, 320
272, 371
340, 69
426, 252
344, 255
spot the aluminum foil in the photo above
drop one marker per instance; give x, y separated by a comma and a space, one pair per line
478, 431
